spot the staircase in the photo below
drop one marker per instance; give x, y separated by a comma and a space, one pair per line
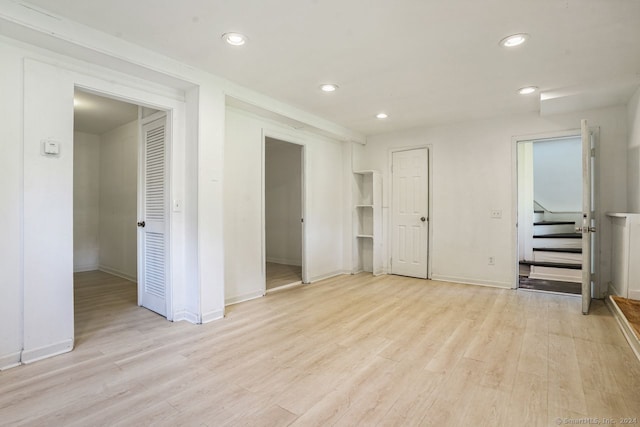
557, 254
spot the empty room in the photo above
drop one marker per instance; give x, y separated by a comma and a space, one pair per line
320, 213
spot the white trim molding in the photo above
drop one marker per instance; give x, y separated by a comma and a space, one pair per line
30, 356
186, 316
329, 275
118, 273
212, 315
88, 267
244, 297
10, 360
471, 281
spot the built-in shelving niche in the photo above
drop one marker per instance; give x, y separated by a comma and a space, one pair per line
367, 222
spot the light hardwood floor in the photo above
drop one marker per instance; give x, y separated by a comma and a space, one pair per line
282, 274
352, 350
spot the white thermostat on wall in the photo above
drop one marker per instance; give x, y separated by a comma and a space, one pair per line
50, 147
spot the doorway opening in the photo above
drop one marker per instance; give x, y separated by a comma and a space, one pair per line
283, 213
106, 175
550, 192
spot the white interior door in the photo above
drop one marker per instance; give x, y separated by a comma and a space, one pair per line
153, 234
588, 221
410, 209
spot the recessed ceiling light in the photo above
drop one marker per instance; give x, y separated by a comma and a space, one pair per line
328, 87
514, 40
381, 115
527, 90
234, 39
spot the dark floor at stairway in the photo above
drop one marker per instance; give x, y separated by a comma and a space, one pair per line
550, 286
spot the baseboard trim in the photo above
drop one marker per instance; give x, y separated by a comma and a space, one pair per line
631, 293
284, 261
381, 272
329, 275
83, 268
613, 290
624, 325
186, 316
244, 297
30, 356
10, 360
118, 273
468, 281
212, 315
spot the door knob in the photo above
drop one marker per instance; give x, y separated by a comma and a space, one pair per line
141, 224
423, 219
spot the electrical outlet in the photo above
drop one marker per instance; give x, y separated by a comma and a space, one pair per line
496, 213
492, 260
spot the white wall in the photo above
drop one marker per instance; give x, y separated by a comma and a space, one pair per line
633, 153
86, 201
48, 212
119, 200
283, 202
473, 173
243, 269
557, 174
105, 201
243, 198
11, 207
192, 296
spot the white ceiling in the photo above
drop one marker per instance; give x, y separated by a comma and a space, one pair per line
97, 114
424, 62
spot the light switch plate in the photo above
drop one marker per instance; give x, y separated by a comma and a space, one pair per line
50, 147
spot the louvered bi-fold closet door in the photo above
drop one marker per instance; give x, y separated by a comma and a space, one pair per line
153, 226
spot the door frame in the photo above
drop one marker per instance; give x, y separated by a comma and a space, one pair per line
58, 77
387, 207
175, 110
515, 140
291, 139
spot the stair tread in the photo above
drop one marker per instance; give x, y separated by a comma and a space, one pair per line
552, 264
554, 223
558, 236
564, 250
